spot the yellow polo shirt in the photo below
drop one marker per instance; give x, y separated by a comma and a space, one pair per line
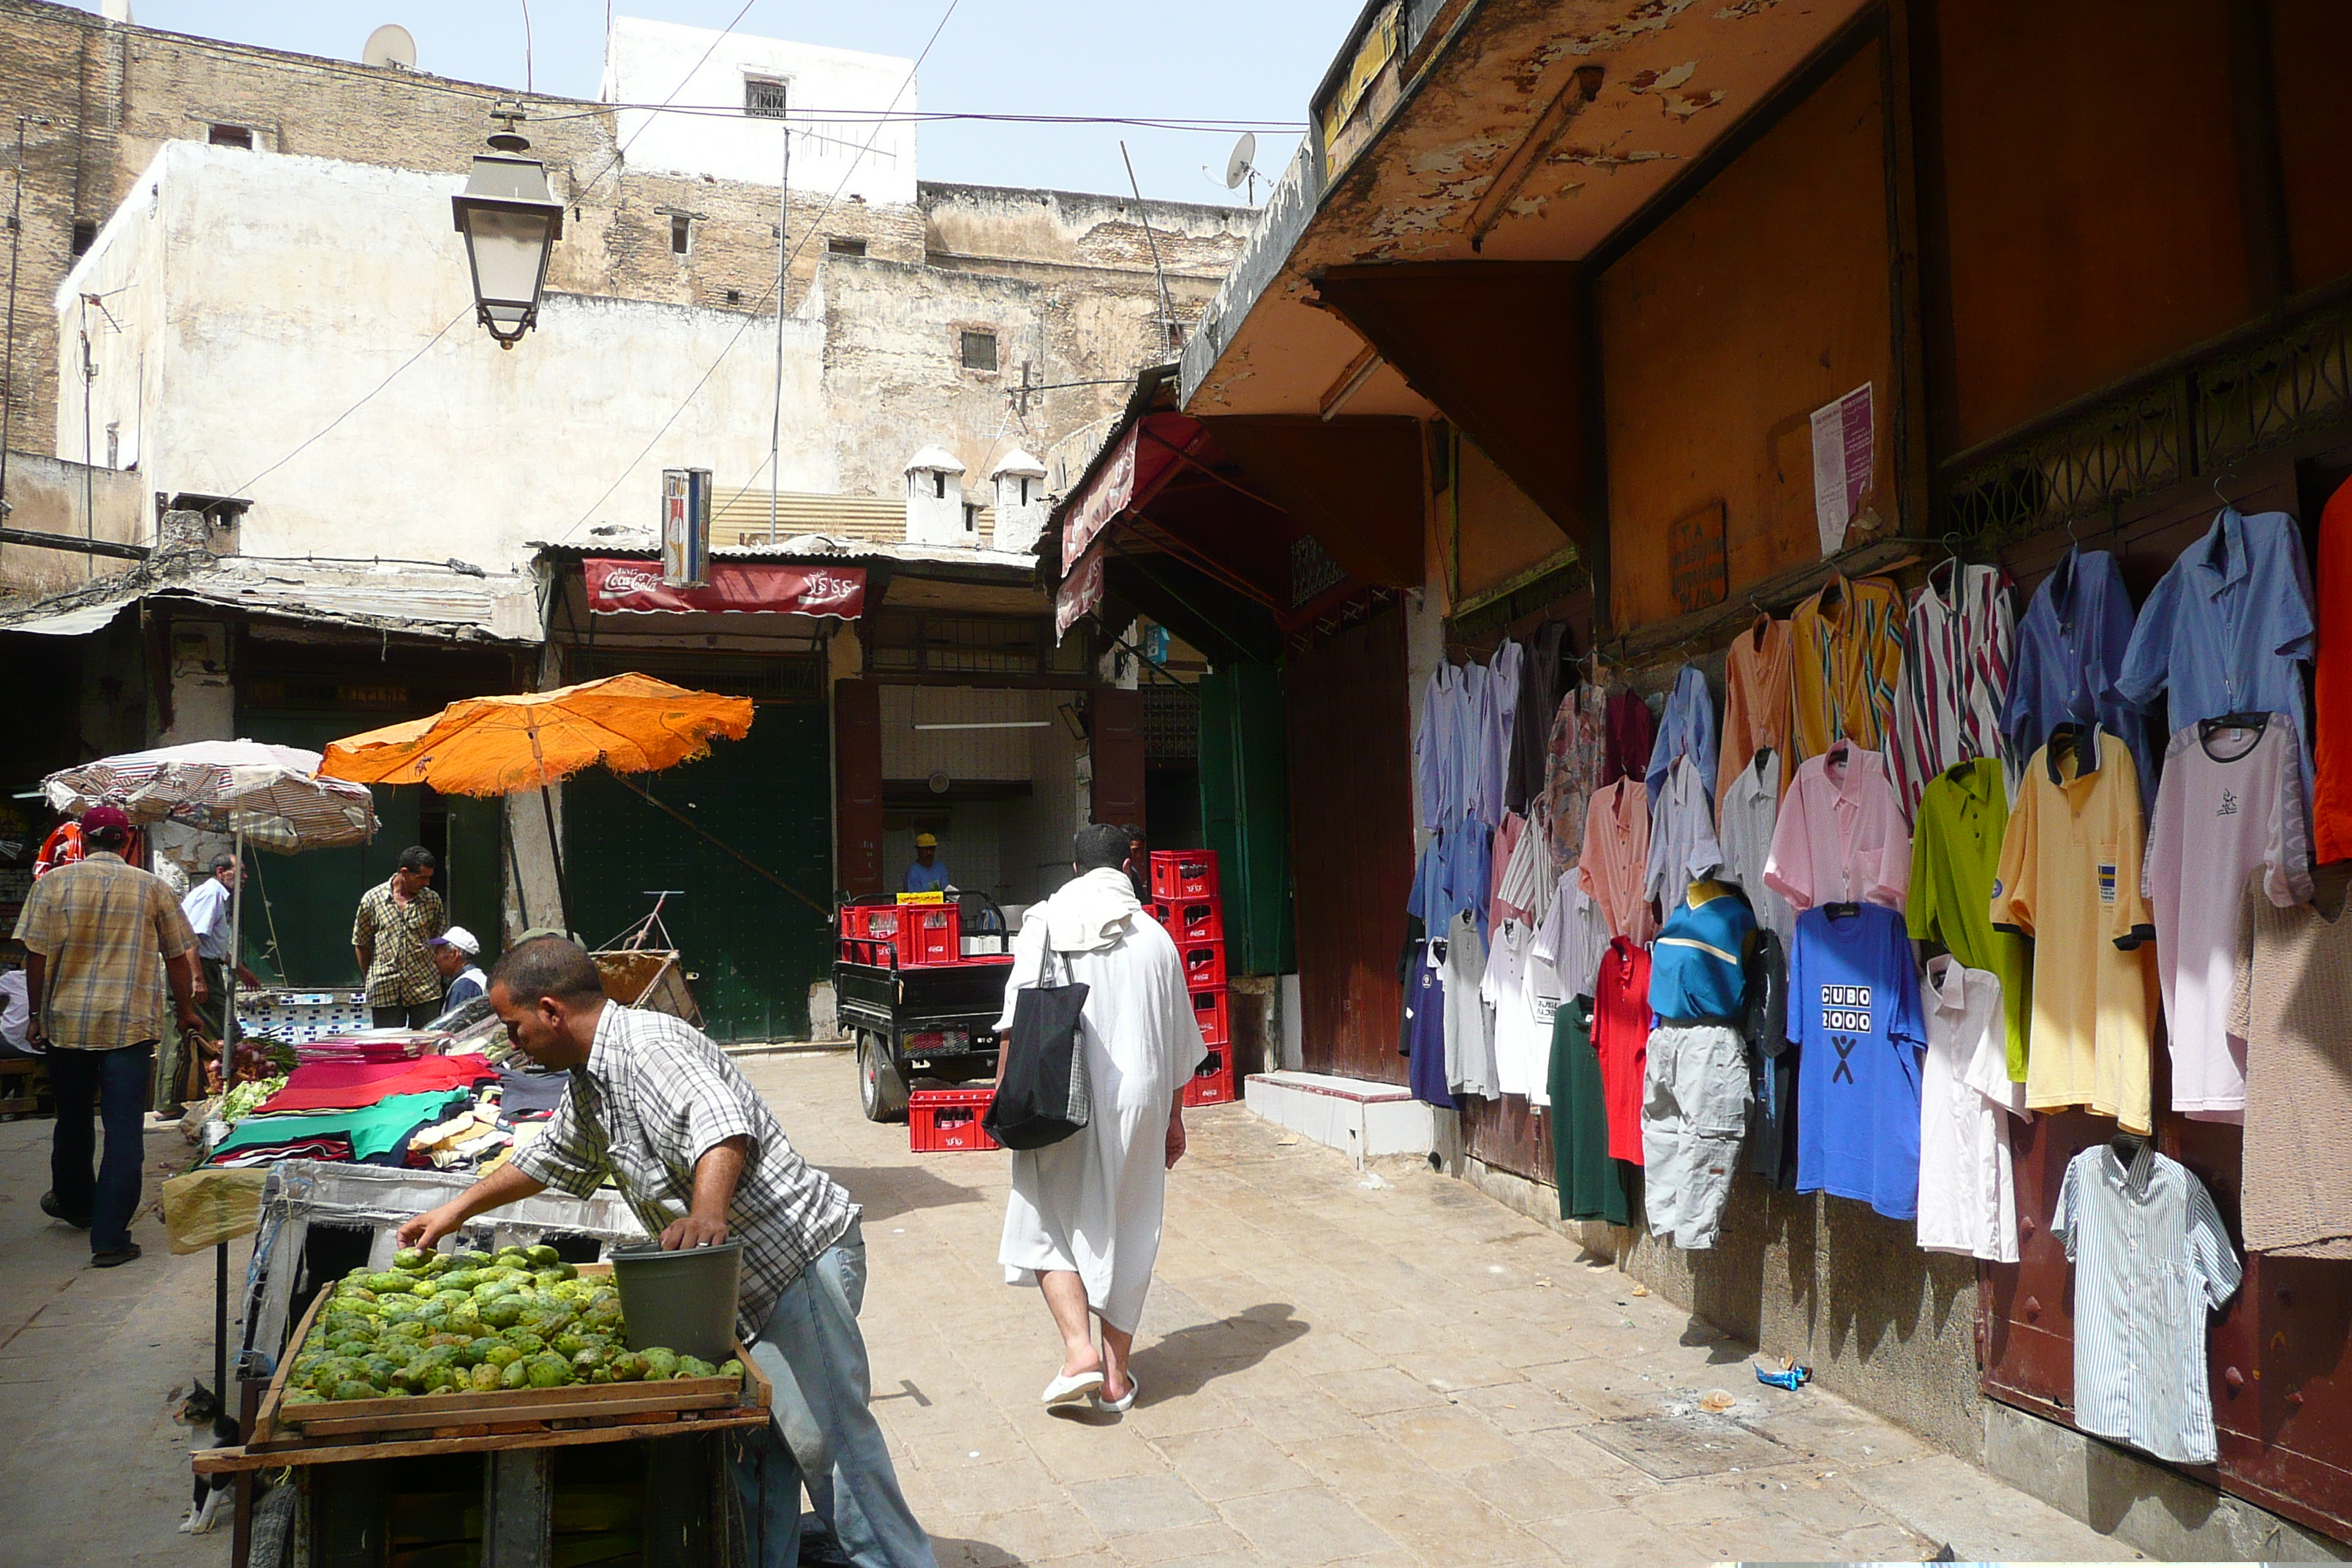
2069, 879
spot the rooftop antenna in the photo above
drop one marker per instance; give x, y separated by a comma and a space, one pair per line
1167, 316
1243, 164
391, 48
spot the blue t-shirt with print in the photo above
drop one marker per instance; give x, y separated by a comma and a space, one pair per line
1854, 1010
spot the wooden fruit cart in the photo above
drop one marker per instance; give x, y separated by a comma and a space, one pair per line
362, 1463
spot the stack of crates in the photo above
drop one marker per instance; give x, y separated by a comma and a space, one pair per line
1184, 900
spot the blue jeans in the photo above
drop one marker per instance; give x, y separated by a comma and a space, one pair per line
824, 1435
115, 1083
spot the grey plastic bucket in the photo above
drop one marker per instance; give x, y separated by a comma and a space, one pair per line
682, 1300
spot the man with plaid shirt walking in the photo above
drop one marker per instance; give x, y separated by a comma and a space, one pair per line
700, 1158
101, 936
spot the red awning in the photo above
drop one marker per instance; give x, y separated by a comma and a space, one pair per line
735, 587
1145, 456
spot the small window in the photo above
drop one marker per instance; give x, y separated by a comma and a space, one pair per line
980, 351
85, 234
681, 235
231, 136
840, 245
970, 517
1025, 489
763, 99
938, 485
734, 295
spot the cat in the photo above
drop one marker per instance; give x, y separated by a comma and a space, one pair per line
213, 1428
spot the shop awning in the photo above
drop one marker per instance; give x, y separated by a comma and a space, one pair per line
1142, 458
735, 587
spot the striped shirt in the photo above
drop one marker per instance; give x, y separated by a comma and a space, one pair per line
2151, 1258
1846, 661
103, 925
653, 1096
1956, 651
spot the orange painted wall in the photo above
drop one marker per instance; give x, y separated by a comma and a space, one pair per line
1763, 298
1503, 532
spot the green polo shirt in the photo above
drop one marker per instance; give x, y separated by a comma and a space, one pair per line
1955, 860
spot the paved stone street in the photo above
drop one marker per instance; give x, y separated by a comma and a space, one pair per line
1343, 1369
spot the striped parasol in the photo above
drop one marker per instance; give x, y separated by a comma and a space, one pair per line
272, 795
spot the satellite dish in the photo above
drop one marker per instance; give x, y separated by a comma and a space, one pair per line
391, 47
1242, 163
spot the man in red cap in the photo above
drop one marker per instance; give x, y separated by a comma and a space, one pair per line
92, 933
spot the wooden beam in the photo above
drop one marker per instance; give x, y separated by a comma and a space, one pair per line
36, 541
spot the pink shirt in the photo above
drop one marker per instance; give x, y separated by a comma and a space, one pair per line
1506, 843
1841, 837
1615, 870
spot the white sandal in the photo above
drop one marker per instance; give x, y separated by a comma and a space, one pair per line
1119, 1406
1076, 1386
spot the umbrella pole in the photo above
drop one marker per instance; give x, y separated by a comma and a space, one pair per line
229, 978
555, 854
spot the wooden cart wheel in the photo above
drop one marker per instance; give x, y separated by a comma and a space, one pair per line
881, 1087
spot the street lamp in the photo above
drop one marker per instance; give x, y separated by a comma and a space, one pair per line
510, 223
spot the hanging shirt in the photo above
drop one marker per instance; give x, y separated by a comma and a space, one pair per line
1591, 1184
1572, 758
1620, 1039
1840, 837
1682, 833
2227, 629
1968, 1189
1750, 812
2231, 804
1615, 868
1549, 670
1956, 653
1527, 879
1754, 698
2151, 1259
1955, 858
1572, 939
1497, 715
1451, 878
2332, 677
1853, 1012
1846, 656
1773, 1066
1696, 964
1424, 1025
1507, 834
2291, 996
1436, 754
1631, 729
1520, 1051
1687, 729
2070, 649
1469, 1033
2066, 880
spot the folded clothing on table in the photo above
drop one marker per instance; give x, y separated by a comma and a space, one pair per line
348, 1086
378, 1134
523, 1096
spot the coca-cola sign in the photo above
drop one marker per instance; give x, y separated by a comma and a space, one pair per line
735, 587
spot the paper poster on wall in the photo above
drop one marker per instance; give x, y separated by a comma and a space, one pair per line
1844, 463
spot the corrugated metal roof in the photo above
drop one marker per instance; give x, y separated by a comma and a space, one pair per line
742, 518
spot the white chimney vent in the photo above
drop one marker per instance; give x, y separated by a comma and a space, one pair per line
1020, 482
936, 513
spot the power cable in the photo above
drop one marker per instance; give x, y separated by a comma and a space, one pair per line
623, 149
774, 289
247, 487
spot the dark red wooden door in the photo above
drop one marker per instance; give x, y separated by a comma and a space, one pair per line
857, 786
1351, 844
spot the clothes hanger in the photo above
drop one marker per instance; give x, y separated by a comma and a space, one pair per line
2127, 1147
1841, 911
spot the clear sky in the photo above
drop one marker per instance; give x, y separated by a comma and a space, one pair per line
1212, 60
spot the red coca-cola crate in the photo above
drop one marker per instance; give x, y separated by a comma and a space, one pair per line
1190, 919
921, 933
1212, 1082
1212, 1011
877, 922
1183, 874
1204, 964
943, 1120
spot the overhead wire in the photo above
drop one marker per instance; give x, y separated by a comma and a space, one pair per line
623, 148
244, 488
775, 288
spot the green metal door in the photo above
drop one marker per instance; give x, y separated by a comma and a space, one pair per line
752, 949
1245, 812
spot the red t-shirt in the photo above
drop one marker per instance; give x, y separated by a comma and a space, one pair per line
1621, 1038
2331, 815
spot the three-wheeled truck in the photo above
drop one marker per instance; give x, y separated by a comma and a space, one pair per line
919, 986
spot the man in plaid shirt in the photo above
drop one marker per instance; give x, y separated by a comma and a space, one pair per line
101, 935
396, 920
698, 1156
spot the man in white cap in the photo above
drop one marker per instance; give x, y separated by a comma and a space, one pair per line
929, 874
454, 951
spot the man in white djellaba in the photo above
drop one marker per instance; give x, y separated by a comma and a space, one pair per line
1083, 1222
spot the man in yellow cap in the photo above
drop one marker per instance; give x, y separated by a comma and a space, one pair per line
926, 874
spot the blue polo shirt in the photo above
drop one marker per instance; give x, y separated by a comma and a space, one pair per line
2071, 647
930, 878
1695, 963
2227, 629
1853, 1011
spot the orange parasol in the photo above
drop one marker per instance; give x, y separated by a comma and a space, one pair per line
504, 745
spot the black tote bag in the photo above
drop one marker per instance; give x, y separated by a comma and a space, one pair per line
1040, 1076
